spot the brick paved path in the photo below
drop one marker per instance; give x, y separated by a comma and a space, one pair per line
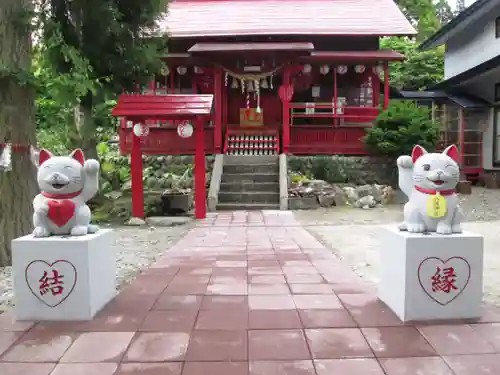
249, 294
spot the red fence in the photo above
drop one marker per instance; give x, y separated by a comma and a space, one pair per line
166, 141
317, 140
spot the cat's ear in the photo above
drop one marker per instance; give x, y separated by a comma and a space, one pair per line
417, 152
43, 156
452, 152
78, 156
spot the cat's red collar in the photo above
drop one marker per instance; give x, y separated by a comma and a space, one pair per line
62, 196
434, 192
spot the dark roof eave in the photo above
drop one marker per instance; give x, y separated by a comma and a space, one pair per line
437, 38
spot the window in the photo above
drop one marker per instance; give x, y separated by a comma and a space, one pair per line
496, 95
497, 27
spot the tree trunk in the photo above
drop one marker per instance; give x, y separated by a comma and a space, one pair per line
87, 130
17, 186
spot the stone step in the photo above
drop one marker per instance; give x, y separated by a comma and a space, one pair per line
249, 197
249, 186
250, 159
252, 168
246, 206
250, 177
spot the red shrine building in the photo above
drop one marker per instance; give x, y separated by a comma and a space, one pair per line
286, 76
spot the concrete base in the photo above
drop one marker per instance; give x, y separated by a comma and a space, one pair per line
431, 276
63, 277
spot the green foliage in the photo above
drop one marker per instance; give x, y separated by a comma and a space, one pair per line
401, 127
420, 70
422, 14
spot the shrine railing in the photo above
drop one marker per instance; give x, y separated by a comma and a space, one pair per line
323, 140
340, 114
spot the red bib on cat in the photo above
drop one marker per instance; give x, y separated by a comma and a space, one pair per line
434, 192
61, 209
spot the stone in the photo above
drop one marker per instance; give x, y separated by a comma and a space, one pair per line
431, 276
135, 221
302, 203
168, 221
127, 186
326, 200
351, 194
66, 278
368, 201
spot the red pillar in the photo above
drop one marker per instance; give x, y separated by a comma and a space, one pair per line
335, 95
286, 111
218, 108
200, 195
386, 85
136, 175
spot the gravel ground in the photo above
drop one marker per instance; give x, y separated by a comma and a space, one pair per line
352, 234
136, 249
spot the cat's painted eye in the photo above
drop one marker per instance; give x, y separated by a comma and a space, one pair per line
426, 167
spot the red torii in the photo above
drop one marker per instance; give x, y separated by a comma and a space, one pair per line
145, 108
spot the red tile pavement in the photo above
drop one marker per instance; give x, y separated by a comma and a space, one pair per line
249, 293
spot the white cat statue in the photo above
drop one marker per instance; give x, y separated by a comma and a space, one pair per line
429, 181
66, 184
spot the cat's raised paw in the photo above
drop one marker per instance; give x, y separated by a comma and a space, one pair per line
79, 230
405, 161
443, 228
415, 228
41, 232
91, 166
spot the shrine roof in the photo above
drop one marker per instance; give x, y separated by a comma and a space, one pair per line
205, 18
378, 55
240, 47
163, 106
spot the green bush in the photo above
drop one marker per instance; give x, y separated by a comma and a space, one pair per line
398, 129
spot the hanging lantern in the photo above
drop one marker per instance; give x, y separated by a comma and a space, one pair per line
342, 69
164, 71
234, 84
226, 79
378, 69
324, 70
198, 70
141, 130
263, 83
359, 69
307, 68
250, 86
181, 70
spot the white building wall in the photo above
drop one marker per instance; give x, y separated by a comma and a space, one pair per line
473, 46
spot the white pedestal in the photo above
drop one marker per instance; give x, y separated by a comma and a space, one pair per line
431, 276
63, 277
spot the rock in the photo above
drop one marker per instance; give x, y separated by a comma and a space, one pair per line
135, 221
367, 201
351, 194
127, 186
168, 221
364, 190
387, 195
326, 200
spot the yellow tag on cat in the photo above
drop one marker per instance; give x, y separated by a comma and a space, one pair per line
436, 206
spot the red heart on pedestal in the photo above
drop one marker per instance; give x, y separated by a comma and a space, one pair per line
61, 211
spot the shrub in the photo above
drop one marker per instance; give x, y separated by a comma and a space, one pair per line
399, 128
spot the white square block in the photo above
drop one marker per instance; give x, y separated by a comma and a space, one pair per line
431, 276
63, 277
